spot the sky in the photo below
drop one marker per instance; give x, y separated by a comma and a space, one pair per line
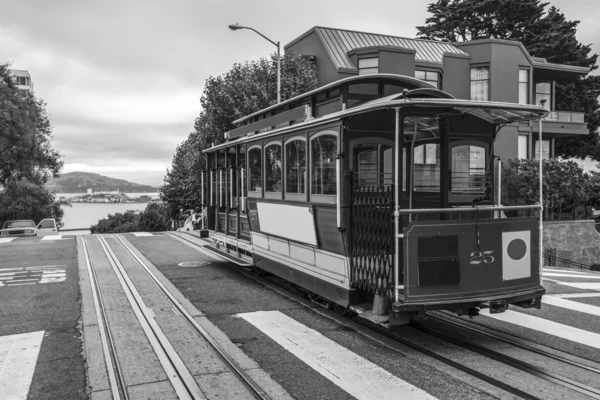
122, 79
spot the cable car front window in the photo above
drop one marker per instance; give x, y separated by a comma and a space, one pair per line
324, 152
423, 135
468, 170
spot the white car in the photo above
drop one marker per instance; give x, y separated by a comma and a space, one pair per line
47, 227
18, 228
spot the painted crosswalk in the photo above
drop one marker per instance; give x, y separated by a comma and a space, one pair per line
6, 240
32, 275
331, 360
18, 357
543, 325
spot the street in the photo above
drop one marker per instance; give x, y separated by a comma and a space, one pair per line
287, 345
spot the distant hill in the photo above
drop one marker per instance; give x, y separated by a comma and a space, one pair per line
80, 182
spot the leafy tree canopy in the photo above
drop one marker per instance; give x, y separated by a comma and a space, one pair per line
25, 135
25, 200
546, 33
155, 218
246, 88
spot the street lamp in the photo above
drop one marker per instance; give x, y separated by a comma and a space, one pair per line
235, 27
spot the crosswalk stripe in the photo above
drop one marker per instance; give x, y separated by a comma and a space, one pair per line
577, 285
356, 375
142, 234
52, 237
18, 356
573, 295
6, 240
543, 325
578, 276
571, 305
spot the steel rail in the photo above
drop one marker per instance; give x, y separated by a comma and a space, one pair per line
516, 344
246, 380
386, 332
495, 382
114, 371
515, 363
182, 380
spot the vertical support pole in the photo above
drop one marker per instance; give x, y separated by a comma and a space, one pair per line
338, 190
243, 182
397, 174
210, 188
202, 203
238, 224
541, 203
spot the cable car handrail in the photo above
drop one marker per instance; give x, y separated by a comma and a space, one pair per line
466, 209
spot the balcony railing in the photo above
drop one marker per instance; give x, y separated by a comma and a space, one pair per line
566, 116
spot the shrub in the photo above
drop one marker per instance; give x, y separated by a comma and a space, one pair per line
595, 267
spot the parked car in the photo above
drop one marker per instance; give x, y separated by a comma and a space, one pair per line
18, 228
47, 227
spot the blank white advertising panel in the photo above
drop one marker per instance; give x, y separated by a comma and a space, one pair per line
292, 222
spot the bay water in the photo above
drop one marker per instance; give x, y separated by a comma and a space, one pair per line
83, 215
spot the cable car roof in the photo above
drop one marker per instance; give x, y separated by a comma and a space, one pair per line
492, 112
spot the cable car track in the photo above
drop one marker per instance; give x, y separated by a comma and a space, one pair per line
180, 377
507, 360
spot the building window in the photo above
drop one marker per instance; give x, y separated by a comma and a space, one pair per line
480, 83
523, 146
273, 167
429, 77
523, 86
543, 90
295, 165
368, 66
254, 167
323, 155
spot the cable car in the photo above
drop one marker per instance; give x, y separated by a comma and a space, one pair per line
377, 189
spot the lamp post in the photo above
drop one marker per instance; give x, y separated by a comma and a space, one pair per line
235, 27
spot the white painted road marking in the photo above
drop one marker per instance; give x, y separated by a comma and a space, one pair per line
567, 271
18, 356
32, 275
578, 285
543, 325
573, 295
142, 234
52, 237
571, 305
579, 276
6, 240
356, 375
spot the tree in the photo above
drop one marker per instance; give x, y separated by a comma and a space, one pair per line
155, 218
246, 88
565, 185
25, 135
25, 200
547, 34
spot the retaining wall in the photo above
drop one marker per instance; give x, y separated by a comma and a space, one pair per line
573, 240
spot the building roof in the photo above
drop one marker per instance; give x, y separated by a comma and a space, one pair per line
338, 42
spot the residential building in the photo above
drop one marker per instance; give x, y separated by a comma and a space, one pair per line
484, 69
22, 79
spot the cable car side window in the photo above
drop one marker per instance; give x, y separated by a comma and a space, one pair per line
273, 167
323, 149
255, 171
295, 167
